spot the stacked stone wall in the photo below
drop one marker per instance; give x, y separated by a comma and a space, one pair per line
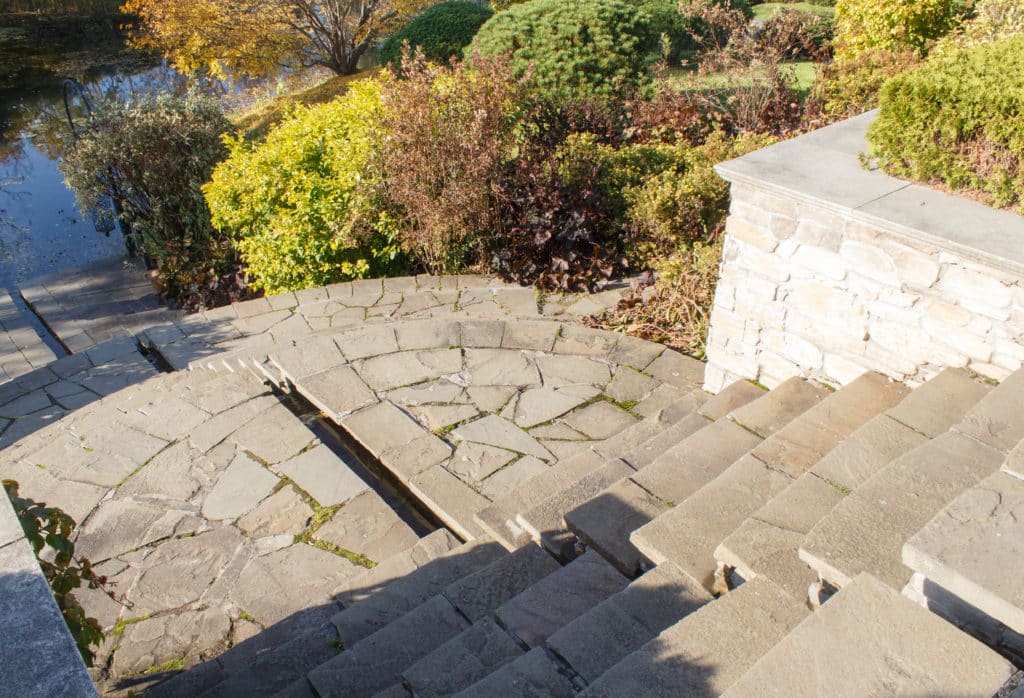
823, 291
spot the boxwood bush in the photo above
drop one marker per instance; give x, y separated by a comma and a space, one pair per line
576, 48
956, 120
892, 25
442, 31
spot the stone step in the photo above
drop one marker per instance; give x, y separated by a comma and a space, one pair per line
537, 612
623, 622
685, 469
871, 641
866, 531
499, 519
462, 661
533, 674
376, 662
404, 594
708, 650
268, 663
766, 542
974, 549
609, 486
689, 533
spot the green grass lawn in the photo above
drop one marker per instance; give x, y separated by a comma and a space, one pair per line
766, 10
804, 73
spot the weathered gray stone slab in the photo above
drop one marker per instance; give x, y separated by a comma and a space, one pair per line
275, 435
180, 571
76, 499
511, 476
398, 440
573, 370
450, 499
436, 417
273, 587
156, 641
480, 593
874, 642
118, 526
368, 526
940, 403
326, 477
239, 489
38, 657
974, 548
491, 398
696, 460
598, 639
409, 367
462, 661
501, 433
428, 334
475, 462
606, 521
600, 420
531, 676
1014, 463
530, 334
539, 405
367, 341
666, 395
502, 367
66, 458
678, 370
698, 655
867, 530
439, 392
206, 436
311, 356
664, 440
282, 513
779, 407
549, 604
732, 397
998, 418
338, 391
377, 661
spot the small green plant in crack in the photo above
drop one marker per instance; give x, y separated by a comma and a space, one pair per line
354, 558
119, 626
171, 665
337, 644
245, 616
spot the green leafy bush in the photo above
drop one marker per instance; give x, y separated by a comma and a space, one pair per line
680, 28
892, 25
155, 154
957, 120
49, 527
442, 31
575, 48
300, 205
991, 20
849, 87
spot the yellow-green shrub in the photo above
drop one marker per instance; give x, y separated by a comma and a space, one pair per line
300, 205
956, 120
891, 25
991, 20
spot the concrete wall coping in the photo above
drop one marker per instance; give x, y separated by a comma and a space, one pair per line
38, 656
824, 168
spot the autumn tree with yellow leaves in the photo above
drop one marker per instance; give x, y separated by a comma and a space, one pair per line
257, 37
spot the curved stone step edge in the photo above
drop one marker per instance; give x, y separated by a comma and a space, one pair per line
934, 474
773, 533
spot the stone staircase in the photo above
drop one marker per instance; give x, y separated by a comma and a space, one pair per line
607, 527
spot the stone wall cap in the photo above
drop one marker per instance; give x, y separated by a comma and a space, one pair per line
823, 168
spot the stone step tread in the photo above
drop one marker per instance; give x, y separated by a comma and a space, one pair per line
998, 418
730, 398
866, 531
870, 639
546, 521
767, 541
936, 406
692, 530
535, 613
407, 592
377, 661
623, 622
606, 521
478, 594
974, 548
462, 661
708, 650
779, 406
532, 675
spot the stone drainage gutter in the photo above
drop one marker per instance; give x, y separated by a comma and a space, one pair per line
831, 269
37, 652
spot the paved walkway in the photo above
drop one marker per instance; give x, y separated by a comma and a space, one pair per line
89, 305
21, 348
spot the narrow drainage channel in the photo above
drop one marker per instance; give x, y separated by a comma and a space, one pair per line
37, 323
420, 519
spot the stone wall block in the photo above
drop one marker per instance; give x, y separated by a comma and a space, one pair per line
907, 341
820, 262
771, 203
790, 346
974, 289
775, 369
827, 237
913, 267
869, 260
990, 370
946, 312
755, 235
842, 369
750, 258
976, 348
